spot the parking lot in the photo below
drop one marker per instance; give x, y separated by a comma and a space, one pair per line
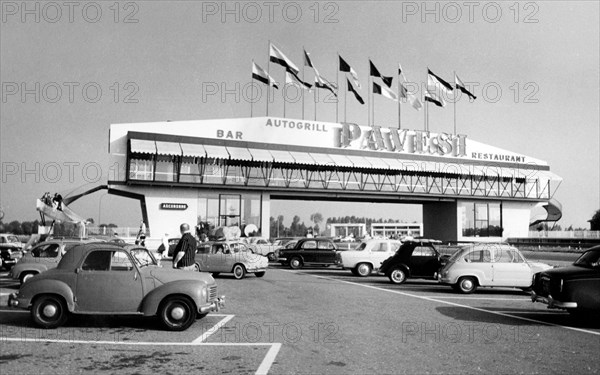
316, 321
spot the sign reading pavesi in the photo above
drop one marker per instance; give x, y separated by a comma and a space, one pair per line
280, 131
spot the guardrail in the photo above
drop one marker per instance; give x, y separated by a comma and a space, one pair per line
594, 234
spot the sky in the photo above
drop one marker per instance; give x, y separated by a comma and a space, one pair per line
534, 67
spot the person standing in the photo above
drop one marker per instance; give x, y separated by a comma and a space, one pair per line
185, 251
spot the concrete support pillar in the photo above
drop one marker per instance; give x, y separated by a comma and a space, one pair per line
265, 223
440, 221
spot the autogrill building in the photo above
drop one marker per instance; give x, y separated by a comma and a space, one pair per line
227, 171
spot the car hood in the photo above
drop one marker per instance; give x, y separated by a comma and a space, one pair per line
539, 267
166, 275
572, 272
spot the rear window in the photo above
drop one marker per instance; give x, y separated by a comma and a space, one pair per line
46, 251
479, 256
309, 245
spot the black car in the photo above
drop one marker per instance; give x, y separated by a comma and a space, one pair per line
414, 259
11, 250
575, 288
309, 251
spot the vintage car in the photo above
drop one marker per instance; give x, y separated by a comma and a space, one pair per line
309, 251
42, 257
367, 257
108, 279
230, 257
414, 259
262, 246
575, 288
489, 265
11, 250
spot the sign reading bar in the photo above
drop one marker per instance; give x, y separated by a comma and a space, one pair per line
174, 206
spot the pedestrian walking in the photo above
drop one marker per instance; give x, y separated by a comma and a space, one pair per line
185, 251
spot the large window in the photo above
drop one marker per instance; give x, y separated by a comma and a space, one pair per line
141, 169
481, 219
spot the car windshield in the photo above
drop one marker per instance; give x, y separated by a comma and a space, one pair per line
361, 247
589, 259
143, 257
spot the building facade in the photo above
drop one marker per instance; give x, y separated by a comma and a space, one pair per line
226, 172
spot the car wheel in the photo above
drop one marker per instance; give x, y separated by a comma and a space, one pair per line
26, 276
196, 267
467, 285
363, 269
295, 263
239, 272
260, 274
272, 257
353, 270
397, 276
49, 311
177, 313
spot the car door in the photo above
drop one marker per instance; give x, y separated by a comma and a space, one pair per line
309, 251
418, 261
479, 263
49, 254
108, 282
325, 252
510, 269
203, 255
379, 252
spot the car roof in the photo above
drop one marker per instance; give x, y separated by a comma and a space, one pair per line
72, 258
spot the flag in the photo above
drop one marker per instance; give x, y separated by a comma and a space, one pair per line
415, 102
344, 67
384, 91
307, 60
374, 72
276, 56
436, 81
260, 75
401, 72
352, 90
434, 98
461, 86
293, 79
322, 83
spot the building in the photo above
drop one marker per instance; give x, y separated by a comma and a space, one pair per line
396, 230
227, 171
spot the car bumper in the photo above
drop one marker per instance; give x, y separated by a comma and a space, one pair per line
214, 306
16, 302
9, 262
259, 269
552, 303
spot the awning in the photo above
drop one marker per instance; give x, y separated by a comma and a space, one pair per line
168, 148
322, 159
142, 146
359, 161
377, 163
282, 156
193, 150
260, 155
341, 160
303, 158
216, 152
239, 153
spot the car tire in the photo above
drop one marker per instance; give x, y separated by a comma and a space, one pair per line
49, 311
26, 276
353, 270
363, 269
296, 263
177, 313
272, 257
467, 285
239, 271
260, 274
196, 267
397, 276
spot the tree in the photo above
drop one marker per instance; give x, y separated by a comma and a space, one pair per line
595, 222
90, 220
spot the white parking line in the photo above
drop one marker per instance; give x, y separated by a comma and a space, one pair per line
267, 362
214, 328
483, 298
449, 303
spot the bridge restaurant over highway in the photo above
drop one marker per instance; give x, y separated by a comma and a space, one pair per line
227, 171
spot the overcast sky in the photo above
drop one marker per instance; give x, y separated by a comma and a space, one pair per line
535, 66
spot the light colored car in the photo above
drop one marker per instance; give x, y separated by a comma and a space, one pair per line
489, 265
367, 257
230, 257
262, 246
42, 257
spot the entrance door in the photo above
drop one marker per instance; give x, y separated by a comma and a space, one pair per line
230, 208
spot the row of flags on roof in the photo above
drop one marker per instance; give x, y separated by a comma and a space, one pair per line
436, 89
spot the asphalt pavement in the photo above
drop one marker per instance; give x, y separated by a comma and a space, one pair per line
316, 321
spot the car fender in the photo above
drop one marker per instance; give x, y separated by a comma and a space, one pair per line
18, 269
34, 288
187, 288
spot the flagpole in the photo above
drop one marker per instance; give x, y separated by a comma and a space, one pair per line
284, 101
454, 103
315, 97
251, 99
337, 83
268, 75
399, 106
345, 100
369, 89
426, 101
303, 81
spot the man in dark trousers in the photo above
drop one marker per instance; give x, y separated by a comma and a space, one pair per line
185, 251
